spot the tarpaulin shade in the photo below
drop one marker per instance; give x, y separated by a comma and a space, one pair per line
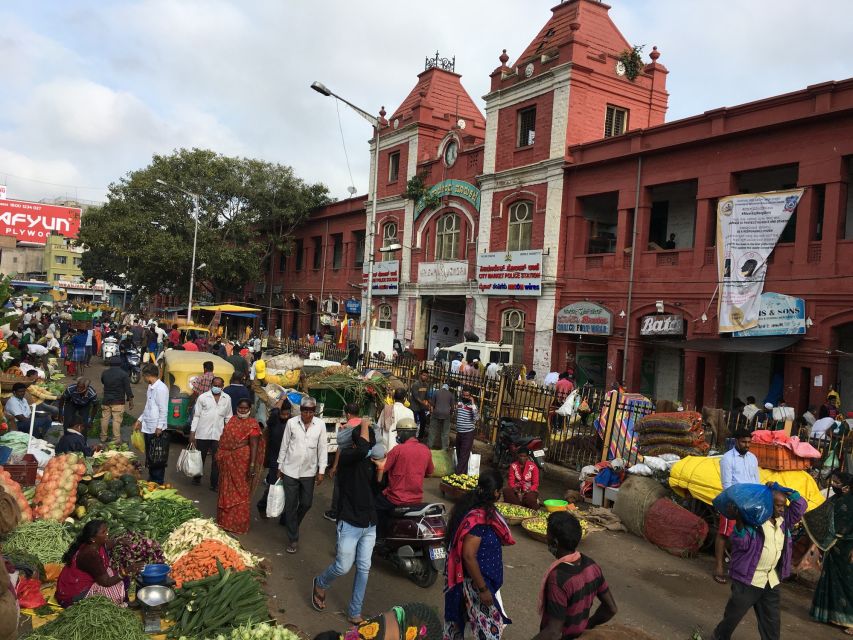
230, 308
754, 344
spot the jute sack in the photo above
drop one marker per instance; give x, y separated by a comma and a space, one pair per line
636, 496
10, 512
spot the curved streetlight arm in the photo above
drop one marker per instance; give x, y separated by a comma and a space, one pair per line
319, 87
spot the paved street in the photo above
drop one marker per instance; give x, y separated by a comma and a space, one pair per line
666, 596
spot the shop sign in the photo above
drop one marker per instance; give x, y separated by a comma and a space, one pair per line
662, 325
510, 273
748, 228
778, 315
458, 188
445, 272
34, 222
585, 318
353, 307
386, 277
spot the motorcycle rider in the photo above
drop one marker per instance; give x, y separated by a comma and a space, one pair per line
405, 468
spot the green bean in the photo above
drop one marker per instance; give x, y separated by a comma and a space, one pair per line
47, 540
93, 617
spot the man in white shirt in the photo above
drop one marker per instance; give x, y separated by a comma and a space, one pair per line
493, 370
302, 461
456, 363
20, 412
210, 413
152, 422
551, 379
90, 341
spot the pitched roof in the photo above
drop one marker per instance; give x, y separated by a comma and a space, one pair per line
440, 99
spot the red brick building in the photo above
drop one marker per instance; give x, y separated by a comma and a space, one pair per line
572, 168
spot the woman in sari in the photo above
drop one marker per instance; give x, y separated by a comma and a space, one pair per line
830, 527
240, 456
87, 569
474, 569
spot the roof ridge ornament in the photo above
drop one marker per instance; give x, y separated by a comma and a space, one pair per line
445, 64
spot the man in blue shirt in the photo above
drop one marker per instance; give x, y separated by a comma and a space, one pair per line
737, 466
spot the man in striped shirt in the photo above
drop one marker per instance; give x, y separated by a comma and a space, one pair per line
571, 585
467, 415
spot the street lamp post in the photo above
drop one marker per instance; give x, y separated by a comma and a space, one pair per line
195, 243
319, 87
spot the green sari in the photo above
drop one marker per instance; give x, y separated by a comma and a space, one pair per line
830, 527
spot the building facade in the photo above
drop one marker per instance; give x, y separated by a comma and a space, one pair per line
571, 221
62, 260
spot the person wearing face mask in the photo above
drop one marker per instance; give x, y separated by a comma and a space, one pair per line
476, 534
239, 457
212, 410
571, 585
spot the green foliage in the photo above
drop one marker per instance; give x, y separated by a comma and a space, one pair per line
5, 289
633, 60
417, 190
142, 236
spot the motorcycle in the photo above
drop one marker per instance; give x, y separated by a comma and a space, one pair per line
414, 541
133, 364
109, 348
510, 441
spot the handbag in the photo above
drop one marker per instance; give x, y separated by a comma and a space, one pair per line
158, 452
190, 462
275, 500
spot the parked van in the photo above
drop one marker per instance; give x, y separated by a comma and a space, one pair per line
485, 352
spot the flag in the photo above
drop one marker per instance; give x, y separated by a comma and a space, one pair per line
342, 338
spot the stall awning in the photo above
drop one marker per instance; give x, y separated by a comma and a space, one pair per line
751, 344
230, 308
240, 315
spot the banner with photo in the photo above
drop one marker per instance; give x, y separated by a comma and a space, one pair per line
748, 228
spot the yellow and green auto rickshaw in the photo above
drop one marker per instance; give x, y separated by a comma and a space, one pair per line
178, 370
191, 332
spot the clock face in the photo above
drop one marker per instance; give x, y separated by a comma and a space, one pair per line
528, 70
450, 153
620, 68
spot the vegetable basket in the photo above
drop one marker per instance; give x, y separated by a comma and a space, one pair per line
530, 524
504, 507
450, 492
7, 381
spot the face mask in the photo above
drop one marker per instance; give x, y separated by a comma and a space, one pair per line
216, 390
243, 414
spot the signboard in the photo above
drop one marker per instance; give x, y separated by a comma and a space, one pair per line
585, 318
353, 307
510, 273
778, 315
33, 221
446, 272
386, 277
662, 325
458, 188
748, 228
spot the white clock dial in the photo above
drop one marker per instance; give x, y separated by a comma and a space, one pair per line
620, 68
450, 154
528, 70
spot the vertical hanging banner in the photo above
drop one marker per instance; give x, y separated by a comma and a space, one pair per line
748, 228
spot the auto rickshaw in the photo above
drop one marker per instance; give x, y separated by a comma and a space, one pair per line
191, 332
178, 370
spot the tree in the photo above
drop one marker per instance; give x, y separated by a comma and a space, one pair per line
142, 236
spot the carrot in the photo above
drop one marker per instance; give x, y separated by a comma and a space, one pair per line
200, 562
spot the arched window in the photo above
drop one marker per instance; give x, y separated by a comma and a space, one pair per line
389, 236
520, 226
447, 237
385, 314
512, 332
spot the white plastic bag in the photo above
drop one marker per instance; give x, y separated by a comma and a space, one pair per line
190, 463
569, 405
275, 500
474, 464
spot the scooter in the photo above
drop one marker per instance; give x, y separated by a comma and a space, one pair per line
109, 349
510, 441
414, 541
133, 363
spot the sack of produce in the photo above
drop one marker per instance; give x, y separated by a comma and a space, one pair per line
675, 529
10, 512
753, 501
275, 500
158, 452
636, 496
190, 462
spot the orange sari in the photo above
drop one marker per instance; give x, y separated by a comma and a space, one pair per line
235, 487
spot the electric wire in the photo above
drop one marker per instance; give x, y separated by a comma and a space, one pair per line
344, 144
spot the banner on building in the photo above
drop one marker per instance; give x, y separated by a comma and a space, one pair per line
671, 324
444, 272
748, 228
386, 277
586, 318
510, 273
34, 222
778, 315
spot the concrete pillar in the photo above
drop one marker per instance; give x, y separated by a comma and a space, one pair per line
806, 215
689, 383
705, 215
834, 215
543, 338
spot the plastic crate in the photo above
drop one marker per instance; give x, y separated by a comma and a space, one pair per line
25, 473
778, 458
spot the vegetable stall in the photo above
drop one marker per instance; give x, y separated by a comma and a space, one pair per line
216, 585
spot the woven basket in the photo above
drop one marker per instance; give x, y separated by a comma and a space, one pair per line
541, 537
8, 381
778, 458
515, 519
450, 492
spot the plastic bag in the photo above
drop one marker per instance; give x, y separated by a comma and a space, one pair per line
190, 462
474, 464
158, 452
29, 593
753, 501
568, 407
137, 440
275, 500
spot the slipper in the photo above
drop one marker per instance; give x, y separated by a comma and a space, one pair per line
316, 601
719, 579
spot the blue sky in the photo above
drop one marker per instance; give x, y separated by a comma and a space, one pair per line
93, 89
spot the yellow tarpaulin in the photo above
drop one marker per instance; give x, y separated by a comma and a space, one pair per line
700, 477
229, 308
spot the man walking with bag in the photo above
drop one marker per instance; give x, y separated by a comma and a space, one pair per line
152, 422
302, 461
212, 410
117, 392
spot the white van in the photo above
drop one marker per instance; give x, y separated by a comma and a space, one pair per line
485, 352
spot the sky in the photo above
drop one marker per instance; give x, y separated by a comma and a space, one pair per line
93, 88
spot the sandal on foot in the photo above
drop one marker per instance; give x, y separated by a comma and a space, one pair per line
317, 601
720, 578
357, 620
